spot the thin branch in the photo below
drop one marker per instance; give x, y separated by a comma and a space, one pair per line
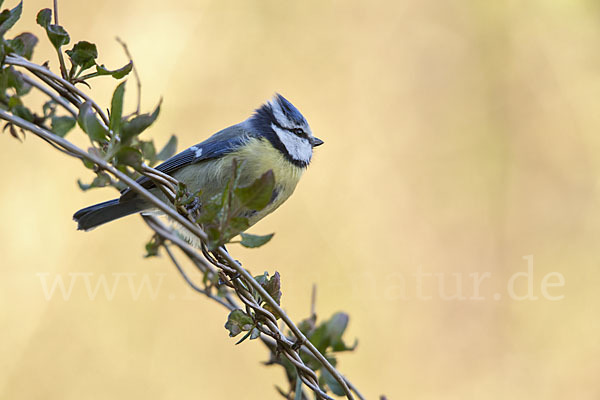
263, 293
55, 12
22, 62
59, 89
61, 59
135, 74
167, 233
57, 147
50, 94
313, 301
271, 343
192, 284
155, 201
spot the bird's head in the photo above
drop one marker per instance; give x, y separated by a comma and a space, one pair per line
280, 122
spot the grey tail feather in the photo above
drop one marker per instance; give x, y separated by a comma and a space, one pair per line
101, 213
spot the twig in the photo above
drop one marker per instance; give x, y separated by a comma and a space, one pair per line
263, 293
61, 59
135, 74
230, 304
192, 284
22, 62
55, 12
313, 301
50, 94
58, 89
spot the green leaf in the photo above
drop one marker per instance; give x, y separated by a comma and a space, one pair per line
273, 287
210, 210
89, 123
57, 35
49, 108
336, 326
319, 338
214, 237
257, 195
169, 150
138, 124
262, 279
116, 108
329, 334
152, 247
14, 46
306, 325
129, 156
238, 224
238, 321
62, 125
15, 80
14, 101
83, 54
117, 73
44, 17
101, 180
27, 42
252, 241
148, 151
23, 112
333, 384
9, 18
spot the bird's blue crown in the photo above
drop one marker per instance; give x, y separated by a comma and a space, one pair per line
278, 111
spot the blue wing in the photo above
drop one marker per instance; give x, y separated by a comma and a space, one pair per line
219, 144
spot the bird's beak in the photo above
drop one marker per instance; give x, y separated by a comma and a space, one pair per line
314, 141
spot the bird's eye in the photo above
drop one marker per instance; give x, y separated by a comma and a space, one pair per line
299, 131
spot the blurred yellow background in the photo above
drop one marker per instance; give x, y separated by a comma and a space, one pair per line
460, 137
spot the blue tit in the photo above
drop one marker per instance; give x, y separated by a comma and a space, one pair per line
276, 137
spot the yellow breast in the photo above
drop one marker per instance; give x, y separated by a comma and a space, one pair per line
259, 156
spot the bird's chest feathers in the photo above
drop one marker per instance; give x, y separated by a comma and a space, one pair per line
258, 156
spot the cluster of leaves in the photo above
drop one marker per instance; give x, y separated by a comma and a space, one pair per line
82, 56
326, 336
116, 140
12, 84
240, 321
228, 213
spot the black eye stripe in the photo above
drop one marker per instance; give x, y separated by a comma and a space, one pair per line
296, 131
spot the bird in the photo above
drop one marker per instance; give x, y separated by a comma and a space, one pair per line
275, 137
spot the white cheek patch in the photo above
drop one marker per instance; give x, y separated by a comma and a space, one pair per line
297, 147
